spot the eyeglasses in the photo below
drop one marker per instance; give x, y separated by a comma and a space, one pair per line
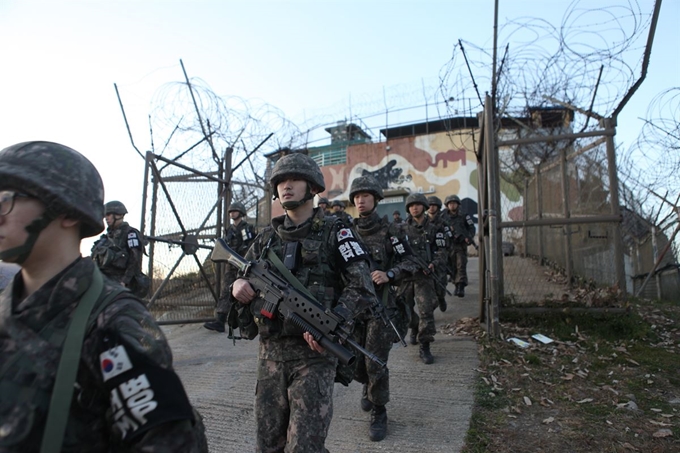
7, 198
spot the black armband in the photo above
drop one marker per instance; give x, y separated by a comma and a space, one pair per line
142, 393
349, 248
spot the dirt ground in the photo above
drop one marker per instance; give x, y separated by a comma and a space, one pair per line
604, 384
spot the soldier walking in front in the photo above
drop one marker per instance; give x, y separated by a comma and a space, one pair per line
295, 375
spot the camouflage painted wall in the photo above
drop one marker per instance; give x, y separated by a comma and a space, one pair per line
438, 164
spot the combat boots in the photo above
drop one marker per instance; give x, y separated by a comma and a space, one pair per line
442, 305
414, 336
366, 404
218, 324
378, 428
425, 354
460, 289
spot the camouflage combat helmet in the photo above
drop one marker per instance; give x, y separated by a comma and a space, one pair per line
297, 165
337, 203
451, 198
324, 200
237, 206
417, 198
115, 207
396, 213
366, 184
62, 178
432, 200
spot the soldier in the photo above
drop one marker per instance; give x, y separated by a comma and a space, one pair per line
428, 243
238, 236
436, 216
463, 231
323, 205
396, 217
294, 396
386, 244
338, 208
118, 253
84, 366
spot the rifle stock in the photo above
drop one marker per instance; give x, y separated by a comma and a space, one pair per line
283, 299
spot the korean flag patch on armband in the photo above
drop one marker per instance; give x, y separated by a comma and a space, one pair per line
114, 361
345, 233
349, 248
132, 240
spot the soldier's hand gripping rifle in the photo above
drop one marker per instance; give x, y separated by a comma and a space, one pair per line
283, 299
427, 271
378, 310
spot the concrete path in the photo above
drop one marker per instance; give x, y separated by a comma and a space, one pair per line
430, 405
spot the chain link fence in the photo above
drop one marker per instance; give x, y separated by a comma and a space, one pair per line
183, 217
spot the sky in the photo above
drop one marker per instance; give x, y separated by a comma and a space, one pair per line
60, 61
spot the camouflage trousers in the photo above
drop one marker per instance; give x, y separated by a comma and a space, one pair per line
422, 298
440, 274
378, 339
224, 302
294, 404
458, 259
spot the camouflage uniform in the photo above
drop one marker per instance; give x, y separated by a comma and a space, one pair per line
127, 248
342, 215
102, 416
126, 396
428, 242
388, 248
440, 271
462, 227
397, 220
294, 394
238, 237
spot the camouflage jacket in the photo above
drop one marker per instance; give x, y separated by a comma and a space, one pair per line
127, 397
332, 264
428, 241
387, 245
461, 225
239, 237
118, 253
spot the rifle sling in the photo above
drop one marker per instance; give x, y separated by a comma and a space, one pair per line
276, 261
60, 401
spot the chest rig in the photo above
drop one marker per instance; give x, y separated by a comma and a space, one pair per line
308, 254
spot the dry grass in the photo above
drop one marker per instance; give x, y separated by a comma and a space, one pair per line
606, 384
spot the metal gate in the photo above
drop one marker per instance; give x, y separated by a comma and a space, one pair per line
183, 215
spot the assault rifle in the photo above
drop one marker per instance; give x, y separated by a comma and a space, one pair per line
378, 310
427, 271
283, 299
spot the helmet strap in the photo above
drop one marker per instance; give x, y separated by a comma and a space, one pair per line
22, 252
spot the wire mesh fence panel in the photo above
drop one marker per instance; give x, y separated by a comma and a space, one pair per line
182, 223
559, 226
